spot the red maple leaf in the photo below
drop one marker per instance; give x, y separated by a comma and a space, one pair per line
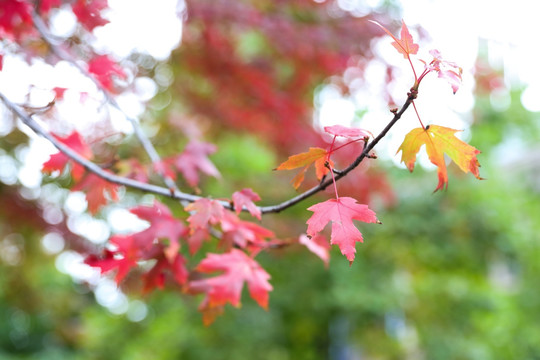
246, 197
341, 213
162, 226
103, 69
243, 233
47, 5
194, 159
238, 268
155, 277
122, 259
15, 18
58, 161
88, 12
145, 245
98, 191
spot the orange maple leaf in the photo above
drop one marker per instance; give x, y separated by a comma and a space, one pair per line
314, 155
440, 140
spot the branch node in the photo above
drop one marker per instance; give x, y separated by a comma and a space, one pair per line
371, 156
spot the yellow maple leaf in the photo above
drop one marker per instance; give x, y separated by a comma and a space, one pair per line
440, 140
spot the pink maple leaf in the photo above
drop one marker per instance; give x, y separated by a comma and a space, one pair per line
351, 133
317, 244
405, 45
341, 213
238, 268
246, 197
193, 159
204, 212
447, 70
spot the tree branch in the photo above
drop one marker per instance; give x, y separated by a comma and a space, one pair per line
90, 166
184, 197
143, 139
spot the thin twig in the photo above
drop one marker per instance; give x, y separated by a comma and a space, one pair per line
288, 203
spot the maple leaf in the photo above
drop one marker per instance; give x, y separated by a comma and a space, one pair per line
88, 12
343, 131
193, 159
246, 197
15, 19
317, 244
196, 239
238, 268
314, 155
163, 225
122, 259
58, 161
204, 212
155, 277
103, 69
243, 233
440, 140
341, 213
405, 45
98, 191
47, 5
145, 245
447, 70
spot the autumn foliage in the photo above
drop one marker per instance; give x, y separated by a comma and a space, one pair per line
278, 109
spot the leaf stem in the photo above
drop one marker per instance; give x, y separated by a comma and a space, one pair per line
418, 115
350, 142
414, 72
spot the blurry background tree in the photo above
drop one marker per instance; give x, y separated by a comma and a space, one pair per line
449, 276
